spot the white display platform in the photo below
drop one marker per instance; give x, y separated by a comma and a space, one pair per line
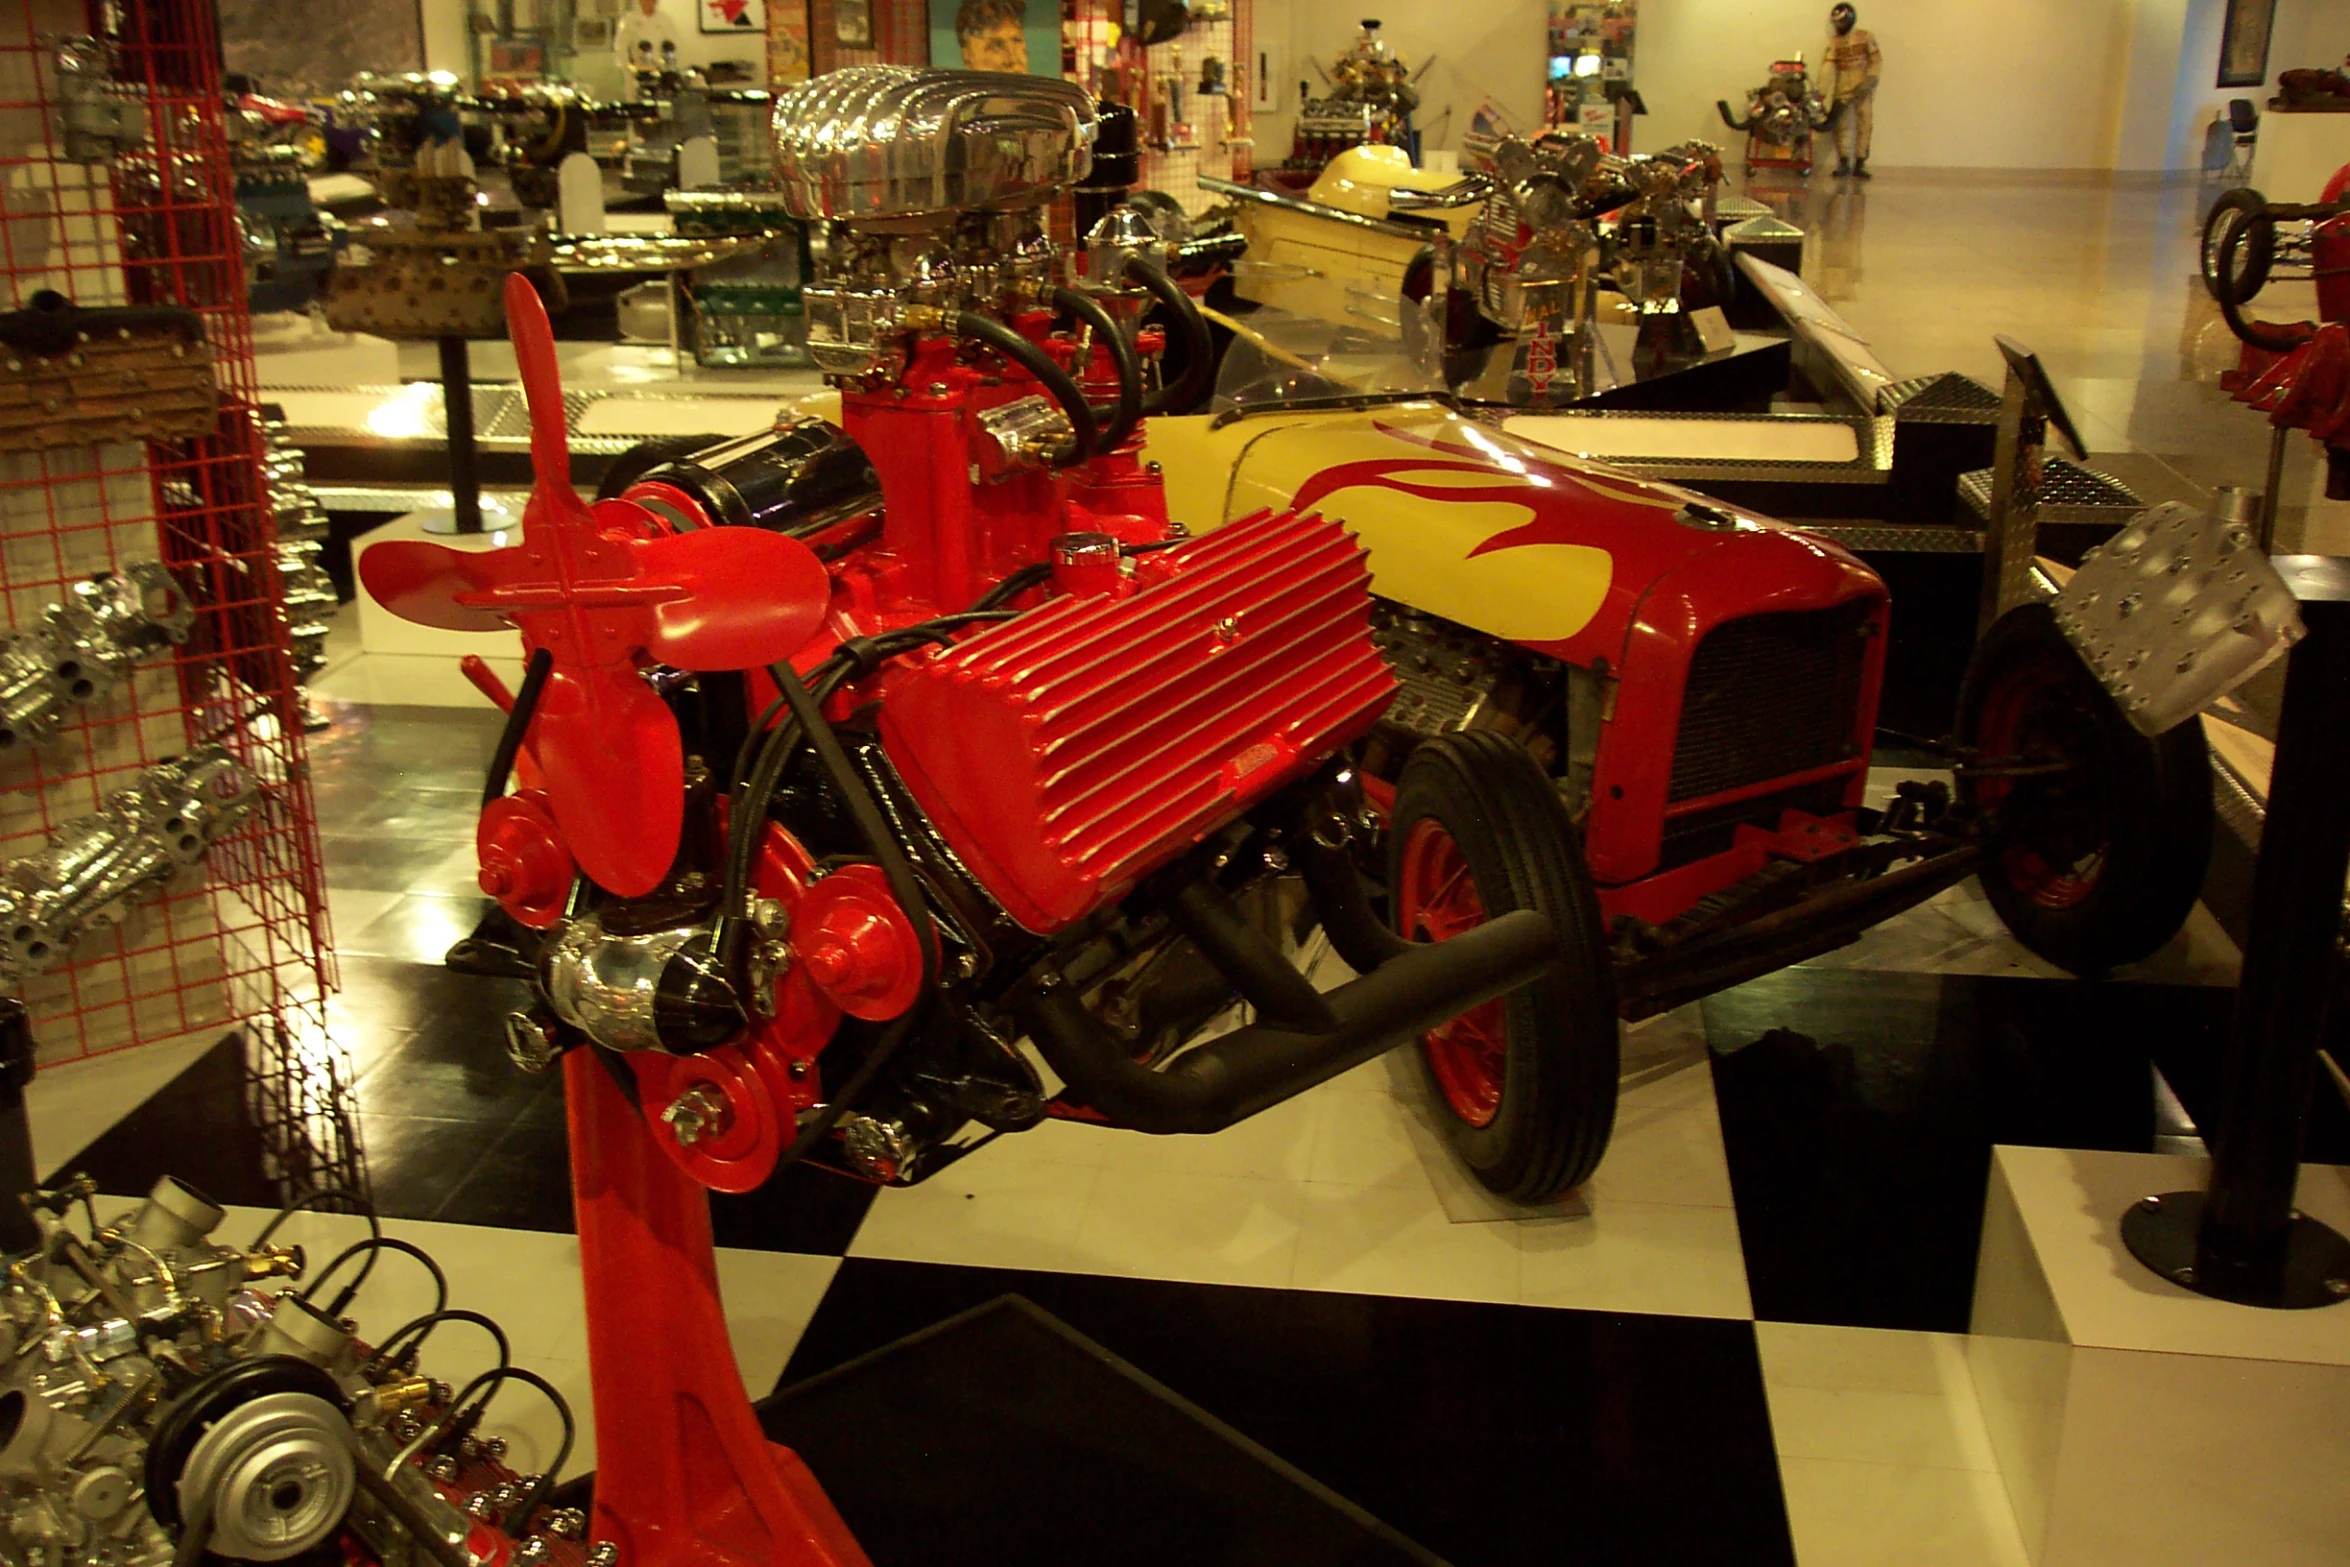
2135, 1421
2295, 156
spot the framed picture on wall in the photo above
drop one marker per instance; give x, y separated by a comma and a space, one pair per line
996, 35
852, 23
2243, 45
734, 16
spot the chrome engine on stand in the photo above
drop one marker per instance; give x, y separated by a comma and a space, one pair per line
167, 1397
1562, 225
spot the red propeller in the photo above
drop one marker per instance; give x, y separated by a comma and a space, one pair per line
606, 595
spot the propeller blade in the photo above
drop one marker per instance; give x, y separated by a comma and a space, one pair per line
551, 497
615, 769
750, 598
419, 581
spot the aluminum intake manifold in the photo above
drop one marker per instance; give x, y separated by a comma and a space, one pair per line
96, 868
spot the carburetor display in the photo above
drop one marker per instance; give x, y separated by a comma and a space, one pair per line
161, 1402
97, 868
79, 647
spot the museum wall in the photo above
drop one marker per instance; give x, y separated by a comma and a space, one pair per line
1482, 48
2030, 84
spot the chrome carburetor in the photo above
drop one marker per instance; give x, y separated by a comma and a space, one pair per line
927, 187
104, 626
96, 868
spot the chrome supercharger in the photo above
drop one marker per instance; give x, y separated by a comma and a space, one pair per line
885, 786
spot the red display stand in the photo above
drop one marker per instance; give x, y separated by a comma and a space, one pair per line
685, 1477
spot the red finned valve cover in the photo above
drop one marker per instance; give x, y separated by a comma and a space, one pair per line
1078, 748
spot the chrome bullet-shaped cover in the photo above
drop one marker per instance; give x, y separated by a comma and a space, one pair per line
889, 141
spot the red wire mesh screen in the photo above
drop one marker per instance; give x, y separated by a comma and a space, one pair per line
244, 936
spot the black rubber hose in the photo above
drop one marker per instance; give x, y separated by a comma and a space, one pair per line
1056, 381
392, 1349
1123, 418
336, 1307
1199, 359
526, 702
2231, 309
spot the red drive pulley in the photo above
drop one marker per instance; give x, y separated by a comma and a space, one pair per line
725, 1116
524, 864
850, 938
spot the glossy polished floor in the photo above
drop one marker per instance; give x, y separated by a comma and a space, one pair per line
1740, 1344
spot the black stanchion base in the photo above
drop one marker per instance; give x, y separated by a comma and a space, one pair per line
2161, 1232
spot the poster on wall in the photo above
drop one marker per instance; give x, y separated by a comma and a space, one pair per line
852, 23
996, 35
734, 16
2243, 46
787, 41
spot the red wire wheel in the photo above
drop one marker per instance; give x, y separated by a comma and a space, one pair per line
2098, 862
1435, 900
1529, 1081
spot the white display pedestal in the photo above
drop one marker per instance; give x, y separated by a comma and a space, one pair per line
2135, 1421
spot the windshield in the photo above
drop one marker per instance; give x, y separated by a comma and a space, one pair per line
1277, 357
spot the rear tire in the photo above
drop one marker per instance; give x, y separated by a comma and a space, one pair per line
1527, 1084
2255, 256
2101, 866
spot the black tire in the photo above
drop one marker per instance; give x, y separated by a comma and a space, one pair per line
2100, 866
2254, 256
1556, 1104
646, 455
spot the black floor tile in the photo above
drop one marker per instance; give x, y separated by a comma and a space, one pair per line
1003, 1436
1859, 1110
394, 864
1500, 1435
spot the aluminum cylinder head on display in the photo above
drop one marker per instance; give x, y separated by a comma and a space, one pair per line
103, 627
895, 146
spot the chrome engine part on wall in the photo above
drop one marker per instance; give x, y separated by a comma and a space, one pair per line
160, 1400
78, 648
96, 868
310, 599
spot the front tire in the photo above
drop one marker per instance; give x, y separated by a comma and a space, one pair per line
1527, 1084
2255, 256
2101, 865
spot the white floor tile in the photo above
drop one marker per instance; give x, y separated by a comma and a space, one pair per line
1850, 1514
986, 1212
1394, 1240
72, 1103
1668, 1259
1206, 1229
1872, 1395
1272, 1145
1668, 1145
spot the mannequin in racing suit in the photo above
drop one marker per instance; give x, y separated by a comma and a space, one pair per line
1851, 69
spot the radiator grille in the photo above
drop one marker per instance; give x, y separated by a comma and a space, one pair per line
1770, 695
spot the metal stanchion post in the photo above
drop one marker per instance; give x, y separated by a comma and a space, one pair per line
2266, 532
457, 404
2243, 1240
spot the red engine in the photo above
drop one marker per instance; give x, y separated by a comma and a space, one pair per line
1072, 752
850, 755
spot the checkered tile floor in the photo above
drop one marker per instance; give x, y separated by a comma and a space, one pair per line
1737, 1344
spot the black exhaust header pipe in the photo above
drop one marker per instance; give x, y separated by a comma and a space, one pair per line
1233, 1076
